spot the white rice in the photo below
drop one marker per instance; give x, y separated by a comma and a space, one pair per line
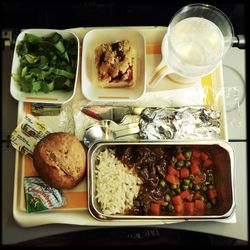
116, 184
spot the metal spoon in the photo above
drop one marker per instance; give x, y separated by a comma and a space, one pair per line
104, 132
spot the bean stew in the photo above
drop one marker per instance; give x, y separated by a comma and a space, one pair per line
176, 180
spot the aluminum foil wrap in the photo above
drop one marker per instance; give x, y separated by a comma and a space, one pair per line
195, 123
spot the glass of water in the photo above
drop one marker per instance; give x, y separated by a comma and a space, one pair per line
198, 37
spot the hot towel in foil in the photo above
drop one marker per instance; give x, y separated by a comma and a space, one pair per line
179, 123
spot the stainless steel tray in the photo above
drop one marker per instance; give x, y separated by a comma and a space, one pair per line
222, 156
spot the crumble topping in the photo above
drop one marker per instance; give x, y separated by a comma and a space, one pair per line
115, 63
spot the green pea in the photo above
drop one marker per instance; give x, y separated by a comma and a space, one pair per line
210, 176
208, 205
187, 154
167, 197
173, 186
190, 185
204, 188
196, 187
178, 190
184, 187
172, 193
179, 164
162, 183
191, 176
170, 207
188, 163
186, 181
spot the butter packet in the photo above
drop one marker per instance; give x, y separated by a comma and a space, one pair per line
40, 196
28, 133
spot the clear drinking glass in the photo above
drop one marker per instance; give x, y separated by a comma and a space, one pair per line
198, 37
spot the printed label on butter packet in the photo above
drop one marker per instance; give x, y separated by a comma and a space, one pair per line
28, 133
40, 196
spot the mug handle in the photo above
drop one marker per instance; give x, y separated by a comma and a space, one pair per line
160, 71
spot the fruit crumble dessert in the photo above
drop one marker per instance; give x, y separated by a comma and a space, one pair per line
115, 63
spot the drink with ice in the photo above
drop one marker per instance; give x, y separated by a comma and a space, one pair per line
196, 45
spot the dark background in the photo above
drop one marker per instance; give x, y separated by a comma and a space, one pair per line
72, 13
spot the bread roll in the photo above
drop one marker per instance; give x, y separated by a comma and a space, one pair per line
60, 160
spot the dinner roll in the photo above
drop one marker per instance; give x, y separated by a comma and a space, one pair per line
60, 160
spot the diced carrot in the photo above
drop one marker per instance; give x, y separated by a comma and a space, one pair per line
177, 200
185, 194
155, 208
180, 156
177, 173
195, 169
199, 204
189, 207
196, 161
207, 163
171, 170
196, 153
204, 156
184, 173
172, 179
211, 193
198, 179
198, 196
179, 208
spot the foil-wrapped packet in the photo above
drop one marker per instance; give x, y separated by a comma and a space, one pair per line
195, 123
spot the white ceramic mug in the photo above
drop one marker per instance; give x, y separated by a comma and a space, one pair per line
197, 38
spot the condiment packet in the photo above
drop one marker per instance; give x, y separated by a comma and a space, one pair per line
40, 196
47, 109
28, 133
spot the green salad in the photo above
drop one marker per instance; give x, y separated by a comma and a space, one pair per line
46, 63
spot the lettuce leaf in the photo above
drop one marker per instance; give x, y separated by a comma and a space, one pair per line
46, 63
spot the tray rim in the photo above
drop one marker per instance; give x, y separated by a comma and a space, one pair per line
102, 217
25, 219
